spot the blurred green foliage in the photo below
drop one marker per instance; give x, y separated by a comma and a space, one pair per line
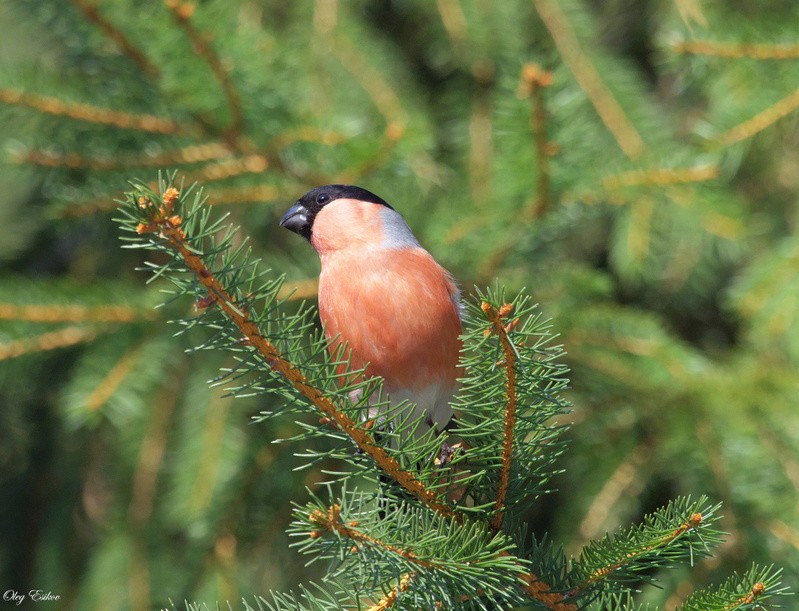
634, 164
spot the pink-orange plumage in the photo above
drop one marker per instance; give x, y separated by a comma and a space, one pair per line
384, 295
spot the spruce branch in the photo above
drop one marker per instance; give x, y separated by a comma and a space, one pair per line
502, 329
390, 599
542, 592
165, 215
731, 50
655, 542
454, 22
217, 196
508, 403
331, 522
51, 340
182, 13
95, 114
117, 374
118, 37
255, 163
661, 177
533, 81
589, 78
690, 11
187, 155
429, 558
749, 591
761, 121
385, 100
39, 312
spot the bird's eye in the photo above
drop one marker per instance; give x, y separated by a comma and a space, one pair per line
322, 198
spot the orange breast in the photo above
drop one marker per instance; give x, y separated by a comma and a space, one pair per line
397, 311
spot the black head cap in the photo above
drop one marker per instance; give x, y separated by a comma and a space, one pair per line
300, 217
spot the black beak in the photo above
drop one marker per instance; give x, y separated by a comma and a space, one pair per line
297, 219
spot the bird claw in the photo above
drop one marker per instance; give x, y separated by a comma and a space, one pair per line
447, 452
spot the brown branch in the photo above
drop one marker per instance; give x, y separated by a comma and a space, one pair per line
72, 313
738, 50
218, 196
501, 329
454, 22
533, 80
187, 155
111, 381
481, 131
93, 114
618, 484
392, 135
118, 37
229, 168
589, 79
182, 13
63, 338
167, 224
542, 592
384, 98
372, 82
661, 177
761, 121
330, 522
153, 448
306, 134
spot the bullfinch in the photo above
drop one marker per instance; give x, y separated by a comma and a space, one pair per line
380, 292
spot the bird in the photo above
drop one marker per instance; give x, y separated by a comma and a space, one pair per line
384, 297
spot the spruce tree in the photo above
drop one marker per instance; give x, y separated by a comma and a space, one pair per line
631, 167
